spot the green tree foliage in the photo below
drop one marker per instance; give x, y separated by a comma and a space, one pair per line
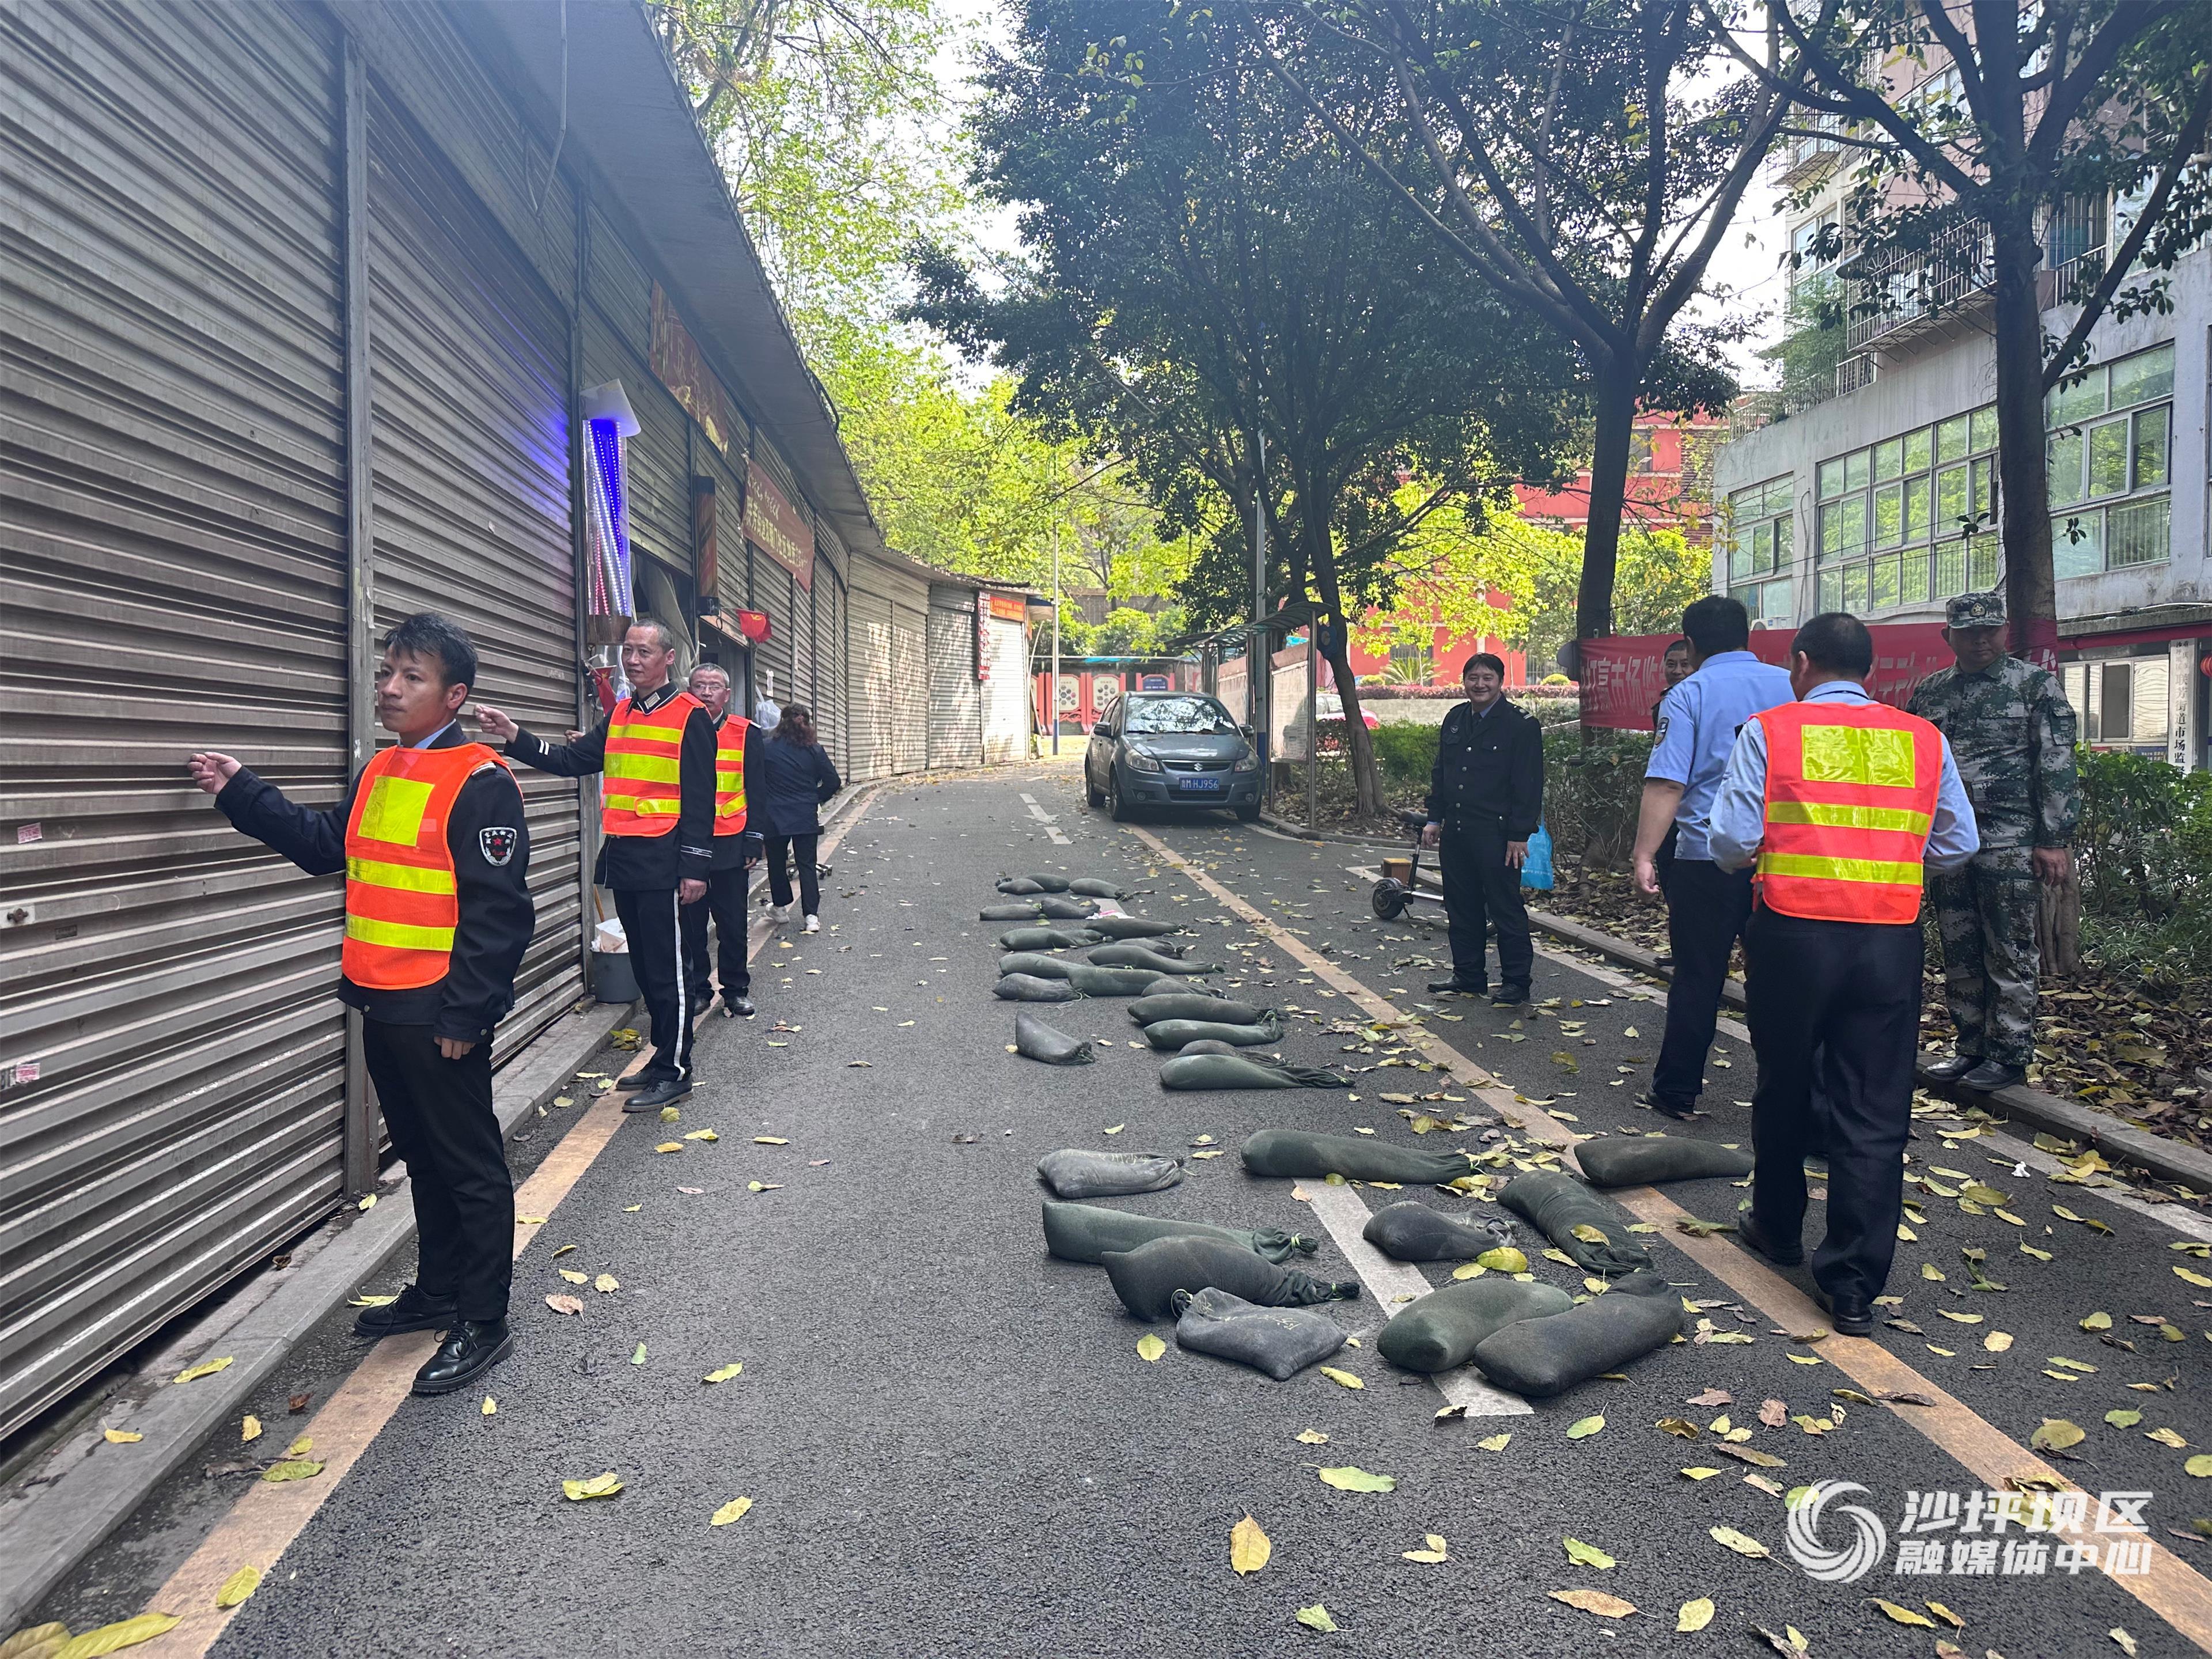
1207, 266
1805, 359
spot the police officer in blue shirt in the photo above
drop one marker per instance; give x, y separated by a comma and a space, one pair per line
1706, 905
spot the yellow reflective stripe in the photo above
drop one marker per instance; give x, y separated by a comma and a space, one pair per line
1878, 755
1838, 814
647, 804
394, 809
407, 878
399, 935
645, 769
641, 733
1816, 867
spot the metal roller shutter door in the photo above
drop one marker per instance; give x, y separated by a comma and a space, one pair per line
830, 713
909, 688
172, 513
772, 590
955, 729
868, 676
470, 444
1006, 694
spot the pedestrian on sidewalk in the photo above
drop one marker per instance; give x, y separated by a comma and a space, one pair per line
1840, 799
796, 777
2012, 729
1486, 800
1675, 666
737, 849
436, 855
1706, 906
657, 750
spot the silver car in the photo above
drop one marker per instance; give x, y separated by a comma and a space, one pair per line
1171, 749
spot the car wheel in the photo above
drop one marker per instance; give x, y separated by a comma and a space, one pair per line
1092, 794
1116, 808
1246, 814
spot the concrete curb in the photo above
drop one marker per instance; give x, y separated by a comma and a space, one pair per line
1285, 827
2169, 1160
62, 1506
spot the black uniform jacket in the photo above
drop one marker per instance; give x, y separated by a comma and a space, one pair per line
731, 852
646, 864
1489, 769
496, 915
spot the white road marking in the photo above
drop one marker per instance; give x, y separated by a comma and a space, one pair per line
1053, 836
1345, 1215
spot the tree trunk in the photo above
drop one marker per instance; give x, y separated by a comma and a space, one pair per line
1366, 779
1609, 495
2023, 479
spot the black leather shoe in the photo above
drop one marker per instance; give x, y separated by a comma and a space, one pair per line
1951, 1070
654, 1096
470, 1348
1509, 996
1674, 1109
1781, 1254
736, 1007
1439, 987
1993, 1074
1852, 1315
413, 1311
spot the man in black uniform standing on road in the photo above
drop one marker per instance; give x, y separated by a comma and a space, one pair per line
1486, 800
737, 849
657, 809
438, 912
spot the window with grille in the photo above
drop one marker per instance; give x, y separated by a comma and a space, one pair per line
2110, 455
1911, 519
1758, 546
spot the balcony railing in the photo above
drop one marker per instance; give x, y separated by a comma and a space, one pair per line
1899, 295
1805, 154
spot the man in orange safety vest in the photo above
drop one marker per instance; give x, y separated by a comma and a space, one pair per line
1840, 801
436, 855
737, 849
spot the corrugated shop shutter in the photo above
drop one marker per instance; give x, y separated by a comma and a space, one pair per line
1006, 694
830, 669
868, 676
171, 521
470, 444
955, 729
910, 688
772, 591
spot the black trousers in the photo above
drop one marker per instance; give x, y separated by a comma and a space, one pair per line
726, 905
439, 1111
779, 878
649, 922
1706, 909
1481, 890
1835, 1009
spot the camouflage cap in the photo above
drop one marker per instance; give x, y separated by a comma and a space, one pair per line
1975, 610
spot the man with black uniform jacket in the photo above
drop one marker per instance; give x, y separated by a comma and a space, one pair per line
737, 849
1486, 800
436, 855
657, 809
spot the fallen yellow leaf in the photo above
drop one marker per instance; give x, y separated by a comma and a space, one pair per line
1342, 1377
729, 1511
1357, 1480
1150, 1348
599, 1485
249, 1430
205, 1368
1597, 1602
1694, 1615
1249, 1546
1905, 1615
125, 1633
239, 1585
724, 1374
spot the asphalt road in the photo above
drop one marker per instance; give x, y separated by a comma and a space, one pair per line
953, 1447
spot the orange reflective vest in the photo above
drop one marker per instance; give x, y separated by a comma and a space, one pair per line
643, 787
730, 774
401, 902
1850, 797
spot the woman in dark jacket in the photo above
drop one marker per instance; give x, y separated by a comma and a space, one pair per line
795, 777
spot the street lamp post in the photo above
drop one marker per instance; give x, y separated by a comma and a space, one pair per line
1055, 631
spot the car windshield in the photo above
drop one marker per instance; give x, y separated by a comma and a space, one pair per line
1199, 716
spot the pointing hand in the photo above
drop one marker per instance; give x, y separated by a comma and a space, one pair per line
210, 770
496, 724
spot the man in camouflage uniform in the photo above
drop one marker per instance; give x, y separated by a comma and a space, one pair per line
2012, 733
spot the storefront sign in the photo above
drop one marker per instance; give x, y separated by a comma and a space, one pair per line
776, 527
1622, 676
678, 365
982, 638
1007, 607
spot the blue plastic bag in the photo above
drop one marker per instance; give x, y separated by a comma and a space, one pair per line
1536, 869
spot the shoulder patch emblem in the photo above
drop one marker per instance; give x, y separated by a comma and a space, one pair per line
498, 844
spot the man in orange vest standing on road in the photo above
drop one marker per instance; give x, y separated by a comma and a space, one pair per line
436, 858
657, 752
737, 849
1841, 800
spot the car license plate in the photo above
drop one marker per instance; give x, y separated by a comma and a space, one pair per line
1199, 783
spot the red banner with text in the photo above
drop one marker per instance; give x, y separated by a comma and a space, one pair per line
1622, 676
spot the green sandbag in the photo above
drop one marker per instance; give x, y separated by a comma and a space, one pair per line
1066, 909
1410, 1231
1027, 987
1147, 1278
1034, 964
1096, 887
1280, 1341
1167, 986
1209, 1046
1010, 912
1132, 926
1648, 1159
1083, 1232
1079, 1172
1196, 1004
1044, 884
1138, 956
1556, 1204
1295, 1152
1540, 1357
1211, 1068
1047, 938
1035, 1040
1020, 886
1108, 982
1644, 1281
1438, 1332
1169, 1036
